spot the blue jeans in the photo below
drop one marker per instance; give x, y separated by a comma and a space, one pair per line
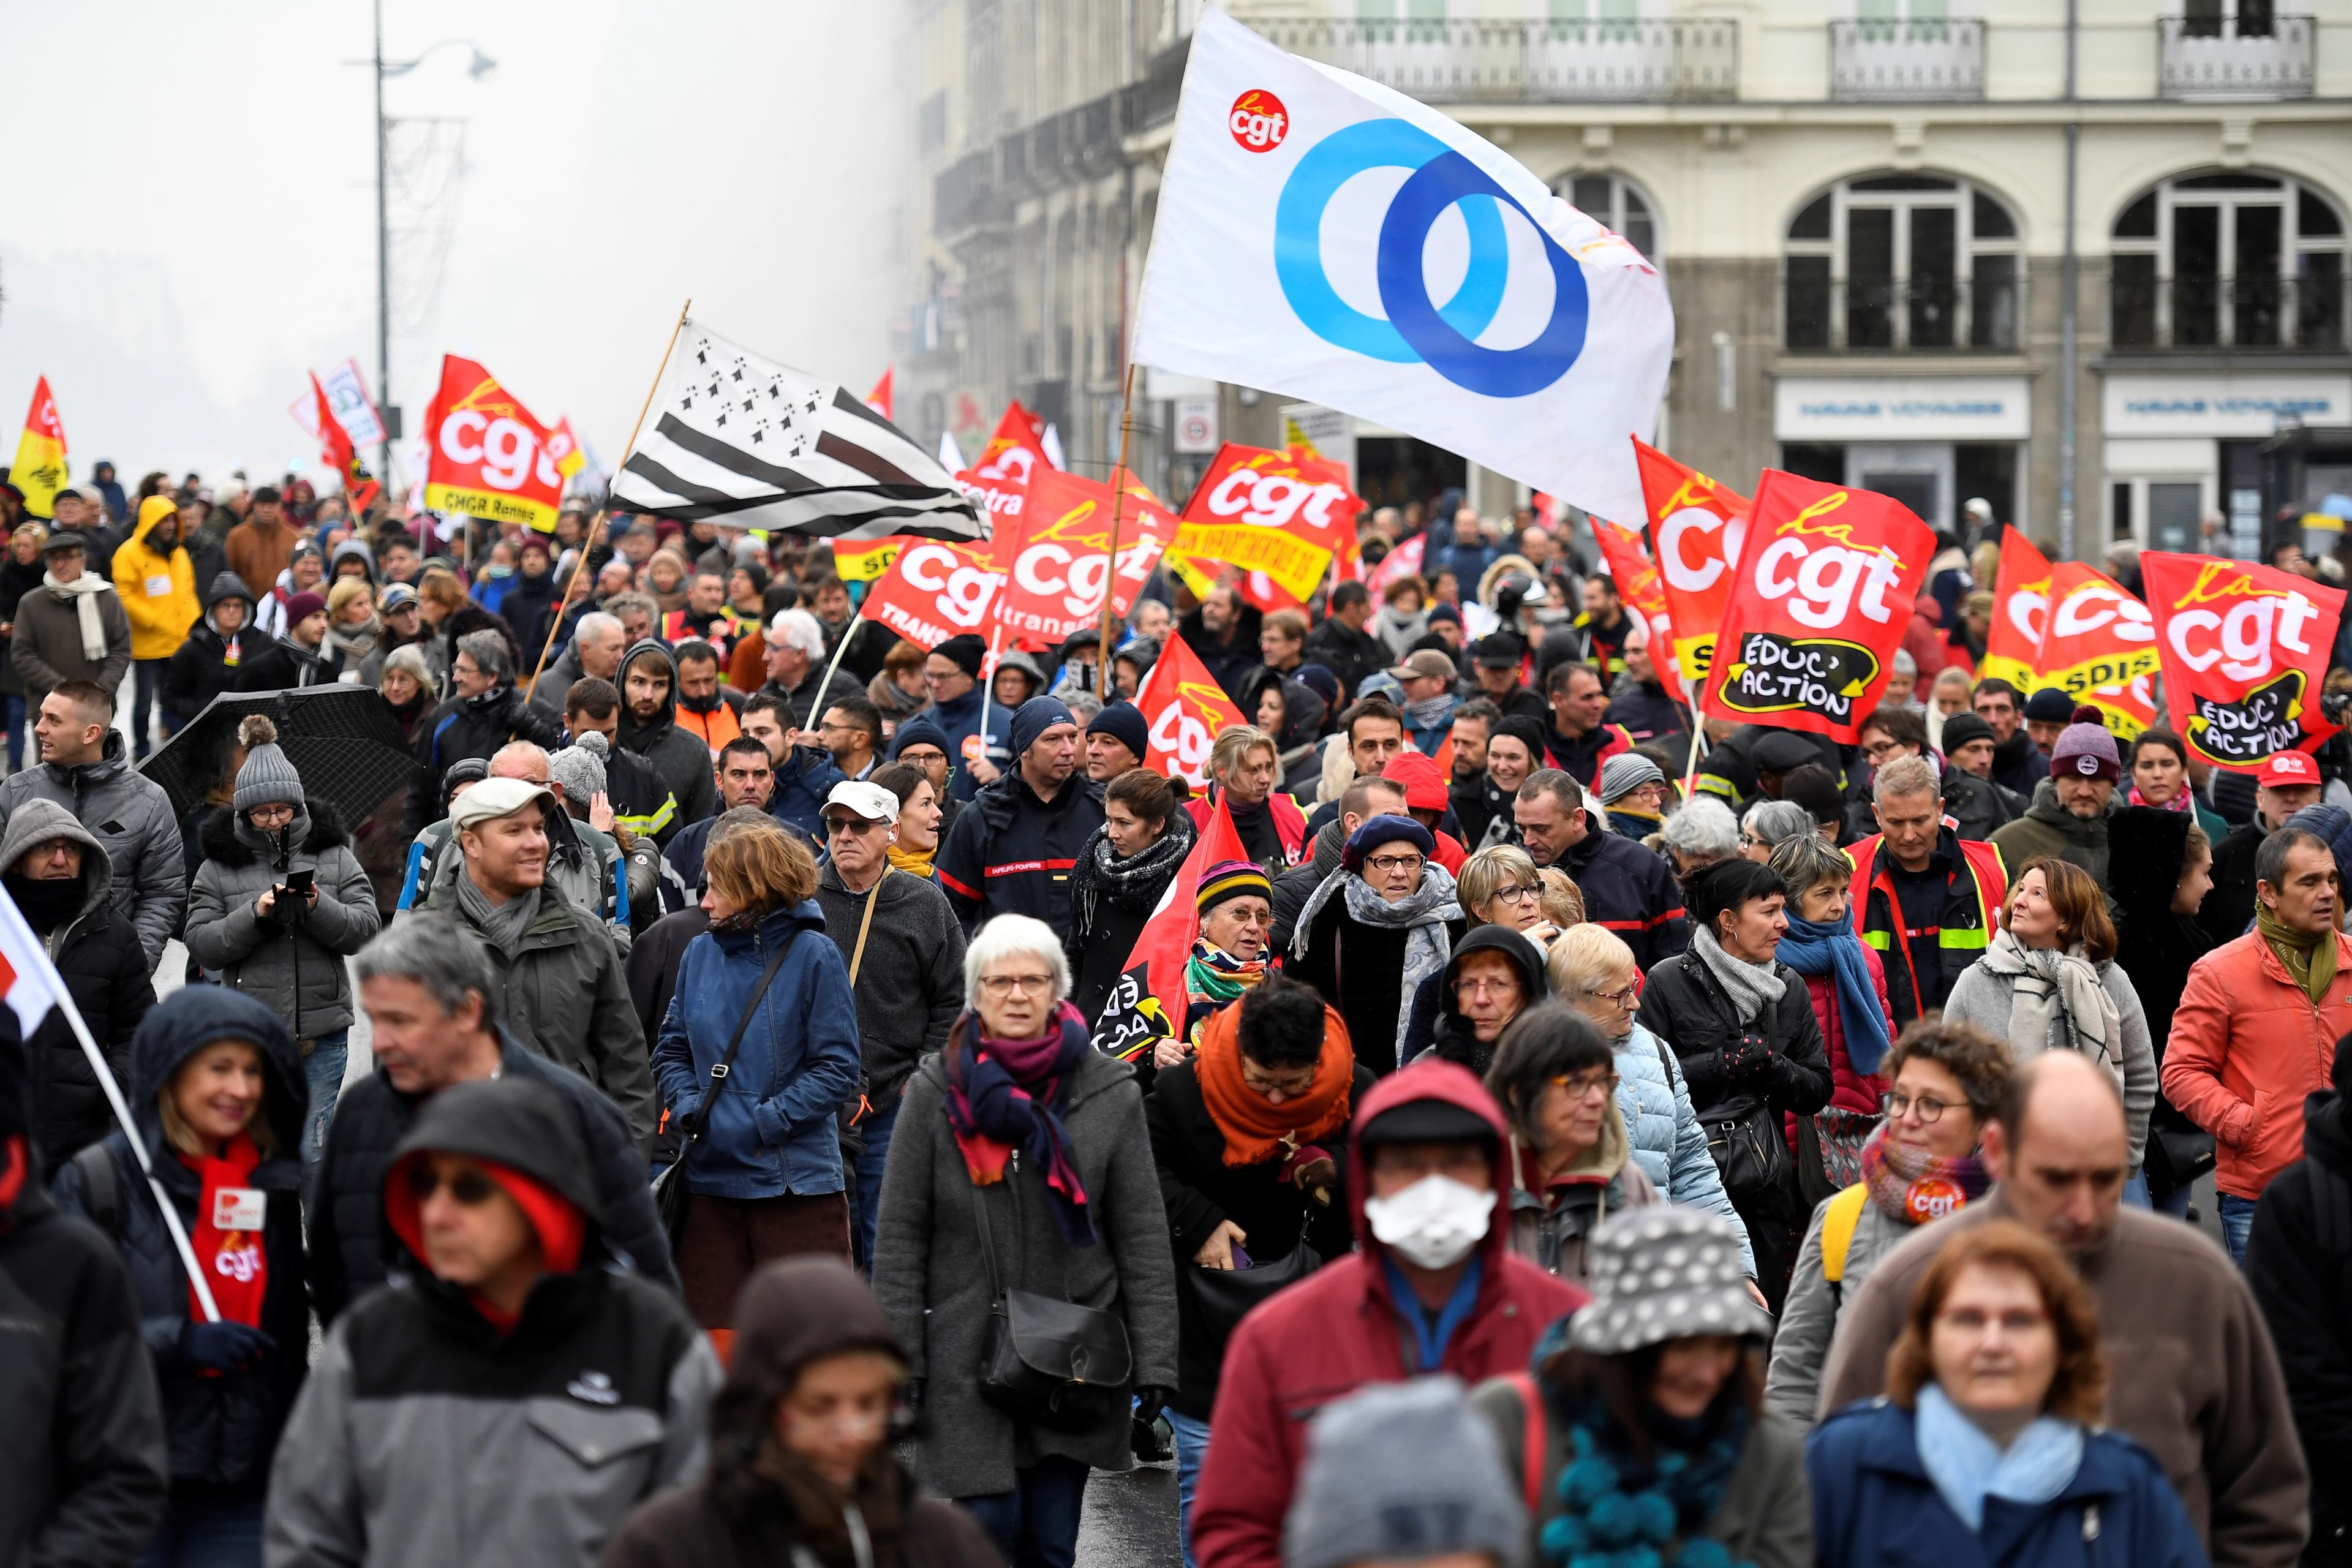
324, 1070
1036, 1525
1191, 1447
2136, 1190
2237, 1219
2175, 1202
202, 1533
871, 1160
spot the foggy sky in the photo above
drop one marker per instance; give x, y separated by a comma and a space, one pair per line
187, 206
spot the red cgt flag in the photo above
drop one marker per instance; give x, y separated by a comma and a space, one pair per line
1056, 557
490, 456
1281, 514
1636, 577
1695, 528
936, 590
1817, 608
1148, 1004
1013, 455
2020, 614
2099, 646
360, 487
1183, 709
2244, 649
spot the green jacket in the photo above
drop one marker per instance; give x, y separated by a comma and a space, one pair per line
2047, 829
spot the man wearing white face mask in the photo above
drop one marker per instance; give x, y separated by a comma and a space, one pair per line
1431, 1288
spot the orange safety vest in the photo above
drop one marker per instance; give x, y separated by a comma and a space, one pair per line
1984, 865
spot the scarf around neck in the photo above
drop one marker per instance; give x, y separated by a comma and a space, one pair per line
1967, 1468
2056, 1003
1423, 916
914, 862
2309, 956
1216, 977
1817, 949
1256, 1128
2179, 801
1132, 883
82, 594
1009, 1095
501, 925
1618, 1506
1912, 1188
1752, 986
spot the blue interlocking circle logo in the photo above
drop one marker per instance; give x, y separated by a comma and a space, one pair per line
1417, 327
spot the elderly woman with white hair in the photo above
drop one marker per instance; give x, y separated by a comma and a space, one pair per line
1702, 832
1770, 824
1020, 1163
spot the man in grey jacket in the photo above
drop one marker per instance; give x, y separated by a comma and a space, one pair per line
71, 627
86, 767
514, 1402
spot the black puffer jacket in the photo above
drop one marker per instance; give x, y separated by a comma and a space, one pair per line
1453, 1036
476, 727
201, 668
97, 952
2155, 946
223, 1429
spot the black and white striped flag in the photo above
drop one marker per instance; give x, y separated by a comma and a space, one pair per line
748, 443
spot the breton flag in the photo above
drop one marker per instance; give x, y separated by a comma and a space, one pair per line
748, 443
1323, 235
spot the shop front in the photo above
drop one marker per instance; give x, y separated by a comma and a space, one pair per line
2183, 448
1933, 443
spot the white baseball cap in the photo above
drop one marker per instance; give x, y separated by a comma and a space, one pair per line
870, 801
494, 798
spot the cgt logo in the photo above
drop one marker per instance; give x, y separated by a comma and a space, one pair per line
962, 593
1258, 121
1274, 500
1822, 574
2245, 638
1178, 731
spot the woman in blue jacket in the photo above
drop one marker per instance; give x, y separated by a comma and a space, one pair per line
219, 1097
765, 1178
1985, 1452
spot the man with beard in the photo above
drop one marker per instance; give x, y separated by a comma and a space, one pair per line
2018, 764
1474, 726
1579, 740
1640, 703
1224, 632
1341, 644
1606, 627
483, 713
1012, 851
293, 659
705, 706
157, 587
643, 807
2067, 817
649, 729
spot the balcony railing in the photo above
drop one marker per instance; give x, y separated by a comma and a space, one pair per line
1471, 60
1896, 60
1926, 311
2217, 58
2264, 312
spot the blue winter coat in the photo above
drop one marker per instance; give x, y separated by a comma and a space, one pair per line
223, 1430
1874, 1506
960, 719
1668, 1142
773, 1132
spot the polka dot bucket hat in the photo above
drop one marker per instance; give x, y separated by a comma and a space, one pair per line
1659, 1273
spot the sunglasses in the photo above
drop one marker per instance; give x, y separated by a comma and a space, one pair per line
470, 1188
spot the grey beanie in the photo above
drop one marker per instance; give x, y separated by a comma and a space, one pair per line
1398, 1472
580, 767
267, 778
1623, 774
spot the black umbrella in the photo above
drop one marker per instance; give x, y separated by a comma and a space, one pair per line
342, 740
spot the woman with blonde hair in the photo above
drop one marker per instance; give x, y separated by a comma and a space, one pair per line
760, 1048
1501, 885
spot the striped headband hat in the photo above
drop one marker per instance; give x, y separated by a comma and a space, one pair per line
1232, 880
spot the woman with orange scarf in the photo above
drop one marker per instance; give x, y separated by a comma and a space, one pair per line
1249, 1136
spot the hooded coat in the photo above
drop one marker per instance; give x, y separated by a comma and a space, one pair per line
465, 727
678, 756
97, 953
294, 967
2156, 947
157, 587
1332, 1334
131, 815
429, 1437
2049, 828
203, 667
222, 1427
1453, 1038
794, 1312
933, 1279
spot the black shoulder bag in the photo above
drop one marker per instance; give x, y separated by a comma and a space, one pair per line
671, 1195
1050, 1361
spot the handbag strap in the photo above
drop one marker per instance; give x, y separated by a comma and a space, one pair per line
866, 922
692, 1125
987, 1248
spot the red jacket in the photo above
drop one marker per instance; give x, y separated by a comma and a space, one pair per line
1337, 1332
1289, 821
1849, 1090
2247, 1045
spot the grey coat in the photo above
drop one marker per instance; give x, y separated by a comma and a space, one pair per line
131, 815
563, 992
1800, 1344
296, 971
909, 987
933, 1281
1982, 997
46, 650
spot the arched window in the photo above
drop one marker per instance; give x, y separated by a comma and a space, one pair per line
2230, 261
1614, 200
1903, 261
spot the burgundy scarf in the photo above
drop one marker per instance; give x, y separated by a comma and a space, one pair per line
1004, 1095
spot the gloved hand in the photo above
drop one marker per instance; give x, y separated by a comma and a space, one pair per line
224, 1346
1143, 1437
1150, 1401
1748, 1056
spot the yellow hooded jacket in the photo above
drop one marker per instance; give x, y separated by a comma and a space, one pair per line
158, 591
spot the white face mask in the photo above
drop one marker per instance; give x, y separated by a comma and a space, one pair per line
1433, 1222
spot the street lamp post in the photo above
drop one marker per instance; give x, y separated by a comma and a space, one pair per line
481, 65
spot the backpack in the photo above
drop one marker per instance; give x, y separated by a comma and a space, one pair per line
102, 1187
1840, 1215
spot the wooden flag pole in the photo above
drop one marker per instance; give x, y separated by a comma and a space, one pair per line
596, 525
1110, 557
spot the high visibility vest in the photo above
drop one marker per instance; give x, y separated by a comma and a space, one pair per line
1984, 866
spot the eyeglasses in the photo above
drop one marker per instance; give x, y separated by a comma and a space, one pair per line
1519, 892
1753, 842
275, 815
1387, 863
1621, 998
1894, 1102
468, 1187
1290, 1086
1006, 984
1579, 1086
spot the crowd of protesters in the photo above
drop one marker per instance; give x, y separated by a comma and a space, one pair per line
1592, 1137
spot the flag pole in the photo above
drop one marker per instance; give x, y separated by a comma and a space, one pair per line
1110, 557
596, 525
843, 646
